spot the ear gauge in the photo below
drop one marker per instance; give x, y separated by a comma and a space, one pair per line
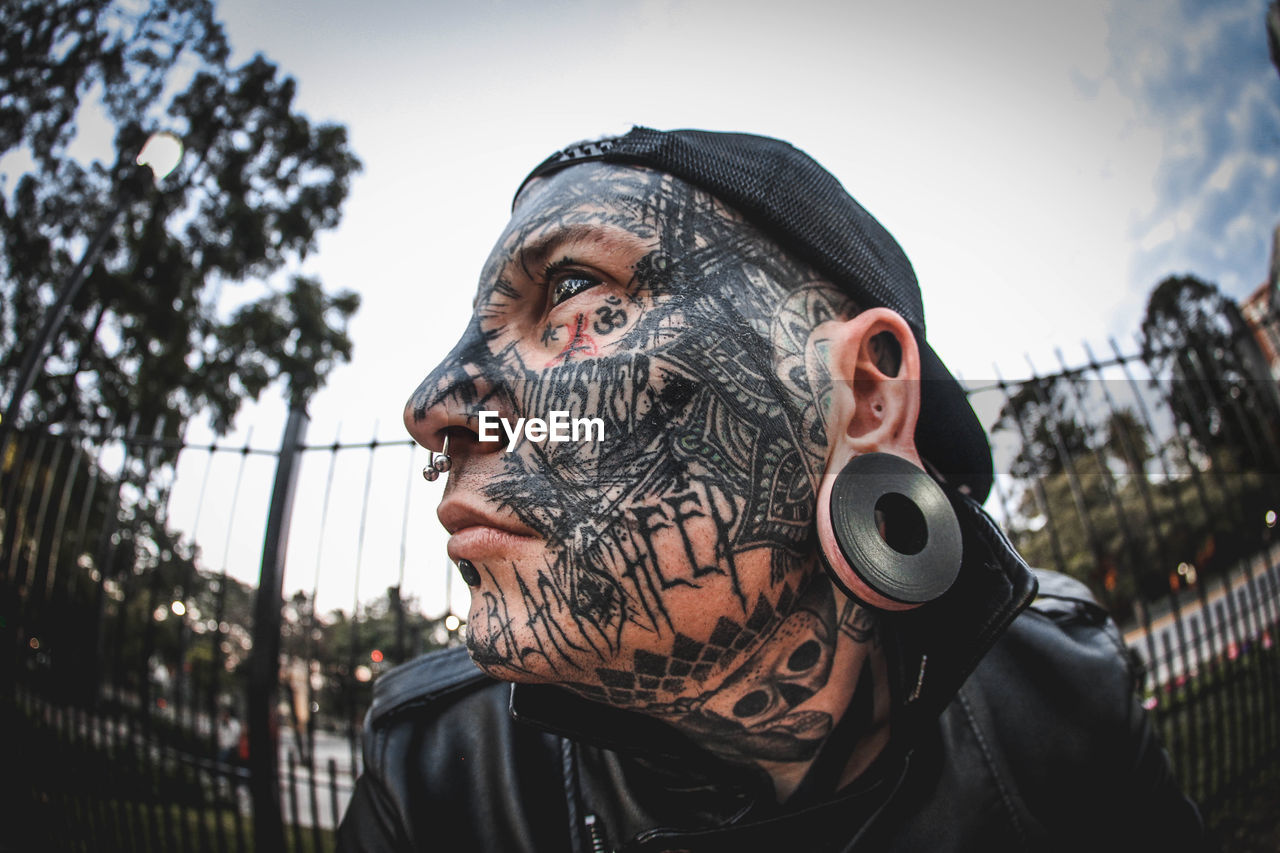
439, 463
917, 556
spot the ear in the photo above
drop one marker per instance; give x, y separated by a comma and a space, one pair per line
875, 395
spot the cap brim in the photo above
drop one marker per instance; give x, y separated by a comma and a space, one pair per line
948, 434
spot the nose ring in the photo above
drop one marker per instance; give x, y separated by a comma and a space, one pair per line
439, 463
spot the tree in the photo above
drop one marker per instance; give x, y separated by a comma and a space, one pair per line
1128, 441
384, 632
148, 340
1041, 414
1106, 499
1221, 394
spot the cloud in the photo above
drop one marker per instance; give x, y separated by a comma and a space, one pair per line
1201, 74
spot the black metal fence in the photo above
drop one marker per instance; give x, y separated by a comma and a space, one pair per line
139, 720
1154, 476
130, 633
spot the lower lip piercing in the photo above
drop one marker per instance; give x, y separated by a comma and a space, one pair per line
469, 573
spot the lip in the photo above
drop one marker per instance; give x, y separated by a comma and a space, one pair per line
477, 531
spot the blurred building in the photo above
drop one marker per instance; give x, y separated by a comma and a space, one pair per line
1261, 310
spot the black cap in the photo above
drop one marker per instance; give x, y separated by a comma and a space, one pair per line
788, 195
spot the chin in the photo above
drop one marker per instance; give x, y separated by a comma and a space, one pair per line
522, 626
483, 657
511, 653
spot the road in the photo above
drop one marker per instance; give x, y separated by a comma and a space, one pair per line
321, 796
1192, 637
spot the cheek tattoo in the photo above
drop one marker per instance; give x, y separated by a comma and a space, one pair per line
715, 445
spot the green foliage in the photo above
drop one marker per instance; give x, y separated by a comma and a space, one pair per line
1104, 499
341, 645
1039, 411
1223, 396
290, 329
96, 585
146, 337
1125, 536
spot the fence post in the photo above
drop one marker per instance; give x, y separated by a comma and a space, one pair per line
264, 666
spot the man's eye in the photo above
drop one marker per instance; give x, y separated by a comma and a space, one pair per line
570, 285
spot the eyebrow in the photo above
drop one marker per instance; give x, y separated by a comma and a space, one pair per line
532, 256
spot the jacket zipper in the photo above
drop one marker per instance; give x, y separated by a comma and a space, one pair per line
597, 834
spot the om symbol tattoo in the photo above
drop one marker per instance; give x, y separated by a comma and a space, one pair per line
610, 317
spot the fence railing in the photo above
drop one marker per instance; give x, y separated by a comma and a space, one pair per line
129, 567
1154, 476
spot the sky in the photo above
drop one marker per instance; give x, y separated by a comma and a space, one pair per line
1044, 164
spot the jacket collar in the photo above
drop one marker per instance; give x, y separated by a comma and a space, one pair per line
931, 651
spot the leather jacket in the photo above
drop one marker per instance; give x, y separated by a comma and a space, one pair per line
1015, 727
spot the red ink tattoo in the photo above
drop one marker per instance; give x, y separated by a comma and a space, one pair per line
580, 343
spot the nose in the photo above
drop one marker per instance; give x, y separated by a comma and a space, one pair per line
467, 381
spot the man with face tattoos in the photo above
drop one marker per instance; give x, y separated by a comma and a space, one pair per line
762, 609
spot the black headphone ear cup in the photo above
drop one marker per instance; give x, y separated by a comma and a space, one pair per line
917, 556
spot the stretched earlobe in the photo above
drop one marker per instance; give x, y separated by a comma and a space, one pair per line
888, 535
